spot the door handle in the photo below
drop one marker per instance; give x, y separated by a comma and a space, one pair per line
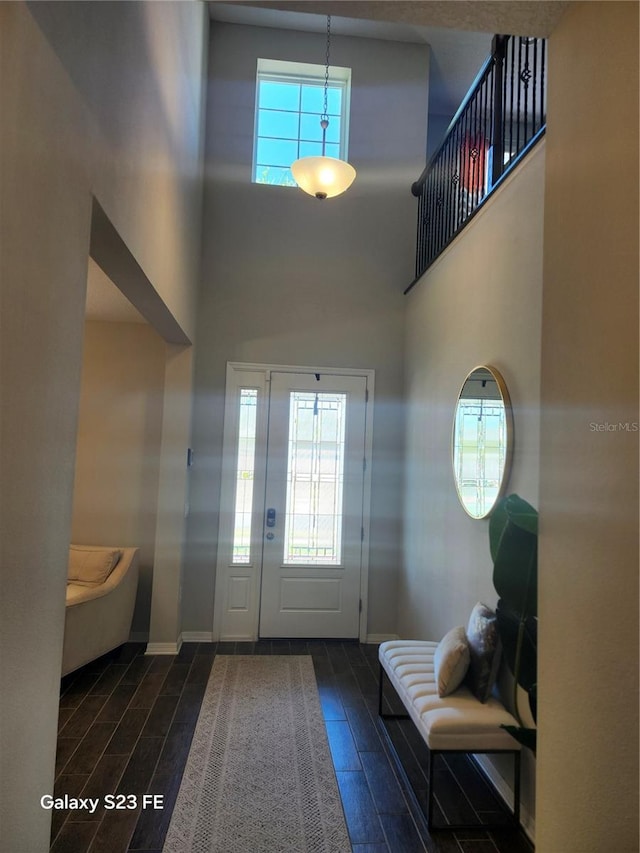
271, 517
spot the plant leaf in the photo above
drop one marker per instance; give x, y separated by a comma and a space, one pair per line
533, 701
508, 623
522, 514
514, 548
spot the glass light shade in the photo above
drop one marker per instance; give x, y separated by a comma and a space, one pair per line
323, 177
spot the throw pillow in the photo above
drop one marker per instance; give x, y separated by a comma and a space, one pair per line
451, 661
90, 565
484, 651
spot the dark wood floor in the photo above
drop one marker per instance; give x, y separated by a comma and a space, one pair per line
126, 724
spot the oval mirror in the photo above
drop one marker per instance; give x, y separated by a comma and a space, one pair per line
482, 442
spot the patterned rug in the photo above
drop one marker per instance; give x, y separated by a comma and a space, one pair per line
259, 777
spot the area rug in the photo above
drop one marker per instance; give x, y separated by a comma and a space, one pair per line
259, 776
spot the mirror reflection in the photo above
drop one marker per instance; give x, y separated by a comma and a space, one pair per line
482, 441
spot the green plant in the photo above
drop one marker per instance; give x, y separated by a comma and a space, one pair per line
513, 540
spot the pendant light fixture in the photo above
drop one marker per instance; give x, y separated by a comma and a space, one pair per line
323, 177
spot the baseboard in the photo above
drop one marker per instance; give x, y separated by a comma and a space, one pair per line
197, 636
207, 637
527, 821
381, 638
164, 648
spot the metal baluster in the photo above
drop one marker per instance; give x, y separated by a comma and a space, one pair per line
446, 184
478, 145
499, 101
474, 153
419, 232
460, 151
483, 136
518, 83
455, 185
426, 228
511, 77
420, 259
527, 76
490, 108
464, 153
434, 210
430, 221
487, 124
440, 203
543, 68
455, 147
534, 117
424, 219
428, 255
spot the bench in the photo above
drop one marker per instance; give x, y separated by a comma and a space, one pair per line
457, 723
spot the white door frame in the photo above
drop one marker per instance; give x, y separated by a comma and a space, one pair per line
243, 624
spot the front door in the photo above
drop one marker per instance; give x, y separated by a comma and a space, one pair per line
313, 523
292, 549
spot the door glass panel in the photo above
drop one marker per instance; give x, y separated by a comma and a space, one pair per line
245, 470
315, 479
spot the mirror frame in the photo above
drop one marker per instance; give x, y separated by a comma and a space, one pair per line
508, 458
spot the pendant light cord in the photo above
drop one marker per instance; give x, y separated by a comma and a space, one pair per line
325, 176
324, 118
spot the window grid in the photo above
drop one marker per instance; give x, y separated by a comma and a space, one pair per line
479, 450
315, 479
245, 473
291, 147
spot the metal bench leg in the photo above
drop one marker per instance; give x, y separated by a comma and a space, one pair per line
430, 795
516, 787
380, 689
431, 757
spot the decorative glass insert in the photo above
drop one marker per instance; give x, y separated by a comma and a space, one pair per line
315, 479
245, 471
289, 103
479, 447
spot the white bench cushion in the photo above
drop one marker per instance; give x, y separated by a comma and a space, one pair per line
458, 721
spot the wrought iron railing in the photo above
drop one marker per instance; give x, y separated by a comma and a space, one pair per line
501, 118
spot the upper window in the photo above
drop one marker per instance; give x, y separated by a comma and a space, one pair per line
289, 104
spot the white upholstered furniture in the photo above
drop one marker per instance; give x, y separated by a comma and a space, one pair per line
101, 594
457, 722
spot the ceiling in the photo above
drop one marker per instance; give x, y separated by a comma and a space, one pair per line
456, 57
458, 32
516, 17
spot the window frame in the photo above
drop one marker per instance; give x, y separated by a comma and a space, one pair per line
303, 74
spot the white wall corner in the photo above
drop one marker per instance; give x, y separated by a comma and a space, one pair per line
164, 648
501, 786
381, 638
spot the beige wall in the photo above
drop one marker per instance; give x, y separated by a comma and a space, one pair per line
142, 82
173, 502
118, 454
480, 303
588, 658
290, 280
75, 124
